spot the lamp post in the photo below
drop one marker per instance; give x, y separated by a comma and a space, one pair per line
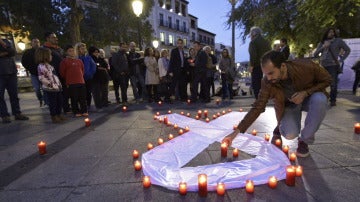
233, 3
137, 6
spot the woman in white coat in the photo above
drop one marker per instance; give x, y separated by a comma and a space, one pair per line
152, 79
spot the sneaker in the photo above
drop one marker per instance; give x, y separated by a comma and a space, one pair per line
302, 150
6, 119
21, 117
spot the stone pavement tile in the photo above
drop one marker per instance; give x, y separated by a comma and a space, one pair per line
56, 172
316, 161
340, 153
355, 169
333, 184
135, 192
52, 194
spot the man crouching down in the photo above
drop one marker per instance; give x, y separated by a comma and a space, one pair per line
294, 86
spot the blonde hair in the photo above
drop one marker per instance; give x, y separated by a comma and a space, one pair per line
78, 46
42, 55
163, 51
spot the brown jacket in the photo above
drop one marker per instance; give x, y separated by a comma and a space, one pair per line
305, 75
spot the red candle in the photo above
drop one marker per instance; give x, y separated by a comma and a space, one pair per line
182, 188
267, 137
160, 103
160, 141
146, 182
285, 149
217, 101
214, 116
292, 156
254, 132
229, 110
197, 117
357, 128
135, 154
207, 120
218, 114
278, 142
202, 185
272, 182
220, 189
176, 126
169, 123
188, 115
137, 165
223, 112
181, 131
157, 113
205, 113
199, 113
124, 108
171, 136
155, 117
235, 152
182, 113
241, 110
169, 112
224, 148
290, 176
166, 119
188, 101
298, 171
42, 147
187, 129
150, 146
87, 122
249, 187
160, 120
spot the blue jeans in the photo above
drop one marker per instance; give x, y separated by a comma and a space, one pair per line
9, 83
37, 88
290, 125
333, 71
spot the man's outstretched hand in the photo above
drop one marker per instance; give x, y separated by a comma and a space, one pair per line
229, 138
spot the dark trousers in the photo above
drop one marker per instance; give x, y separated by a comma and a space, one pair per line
179, 81
121, 81
256, 77
333, 71
100, 93
9, 83
77, 94
65, 96
200, 78
226, 87
55, 102
357, 80
88, 84
165, 91
152, 91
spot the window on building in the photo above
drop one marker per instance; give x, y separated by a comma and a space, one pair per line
183, 9
185, 42
177, 7
168, 4
193, 36
170, 22
161, 16
193, 24
184, 27
162, 37
161, 3
171, 40
200, 38
212, 42
178, 25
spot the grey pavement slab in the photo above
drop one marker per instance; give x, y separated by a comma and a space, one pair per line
95, 163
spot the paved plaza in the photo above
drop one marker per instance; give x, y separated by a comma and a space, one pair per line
95, 163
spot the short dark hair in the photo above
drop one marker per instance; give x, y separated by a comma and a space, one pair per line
284, 40
47, 34
273, 56
92, 49
42, 55
67, 47
325, 35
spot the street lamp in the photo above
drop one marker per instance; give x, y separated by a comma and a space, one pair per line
233, 3
155, 43
137, 6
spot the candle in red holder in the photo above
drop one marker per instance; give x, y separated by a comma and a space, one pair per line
224, 148
214, 116
150, 146
182, 188
160, 141
290, 176
157, 113
137, 165
220, 189
160, 103
197, 117
135, 154
241, 110
249, 187
202, 185
181, 131
166, 119
207, 120
171, 136
182, 113
176, 126
278, 142
87, 122
254, 132
160, 120
357, 128
169, 123
146, 182
42, 147
298, 171
188, 114
187, 129
217, 101
223, 112
229, 110
272, 182
267, 137
236, 152
199, 113
218, 114
205, 113
155, 117
285, 149
124, 108
188, 101
292, 156
169, 112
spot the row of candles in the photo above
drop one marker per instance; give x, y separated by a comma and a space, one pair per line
217, 101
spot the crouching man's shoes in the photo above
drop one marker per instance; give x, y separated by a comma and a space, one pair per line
276, 136
302, 150
21, 117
